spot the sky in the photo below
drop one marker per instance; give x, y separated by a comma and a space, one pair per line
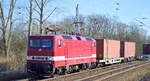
129, 10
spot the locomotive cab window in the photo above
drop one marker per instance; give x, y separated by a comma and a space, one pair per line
59, 43
40, 43
33, 43
46, 43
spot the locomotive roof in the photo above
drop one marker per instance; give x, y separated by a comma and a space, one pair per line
70, 37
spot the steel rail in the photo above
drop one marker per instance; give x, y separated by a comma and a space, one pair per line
111, 73
82, 74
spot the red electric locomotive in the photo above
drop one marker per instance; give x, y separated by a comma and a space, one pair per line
60, 54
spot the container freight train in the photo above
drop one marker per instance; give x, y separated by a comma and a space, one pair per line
114, 51
60, 54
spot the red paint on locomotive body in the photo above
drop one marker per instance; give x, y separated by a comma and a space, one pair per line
61, 50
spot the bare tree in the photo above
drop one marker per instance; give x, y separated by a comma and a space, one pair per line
7, 24
98, 26
30, 17
41, 4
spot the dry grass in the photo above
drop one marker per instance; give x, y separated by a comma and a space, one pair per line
3, 59
3, 63
12, 62
133, 75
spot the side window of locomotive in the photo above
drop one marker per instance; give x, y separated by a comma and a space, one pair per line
59, 43
94, 44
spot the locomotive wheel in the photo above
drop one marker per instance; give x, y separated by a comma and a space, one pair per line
75, 68
59, 71
93, 65
84, 67
68, 69
89, 66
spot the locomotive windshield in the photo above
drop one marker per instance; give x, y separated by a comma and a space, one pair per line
41, 43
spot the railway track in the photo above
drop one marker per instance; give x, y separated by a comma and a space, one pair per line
111, 73
94, 74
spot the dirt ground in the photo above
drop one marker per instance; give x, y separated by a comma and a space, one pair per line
132, 75
146, 77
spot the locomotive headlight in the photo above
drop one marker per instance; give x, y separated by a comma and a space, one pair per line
33, 57
46, 58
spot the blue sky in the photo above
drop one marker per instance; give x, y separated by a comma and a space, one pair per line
129, 9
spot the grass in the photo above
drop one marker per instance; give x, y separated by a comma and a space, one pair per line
12, 62
3, 63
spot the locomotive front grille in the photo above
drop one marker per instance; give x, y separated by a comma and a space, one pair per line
40, 68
